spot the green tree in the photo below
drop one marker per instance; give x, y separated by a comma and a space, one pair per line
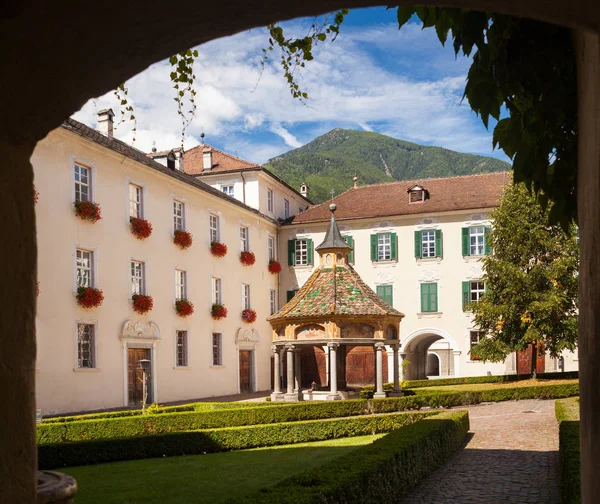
531, 281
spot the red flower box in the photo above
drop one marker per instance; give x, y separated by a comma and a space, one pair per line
141, 303
274, 267
183, 239
184, 308
218, 311
247, 258
89, 297
218, 249
141, 228
36, 195
249, 316
87, 210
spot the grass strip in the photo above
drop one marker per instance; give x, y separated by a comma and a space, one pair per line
567, 414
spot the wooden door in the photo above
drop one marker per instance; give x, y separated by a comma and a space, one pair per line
135, 383
245, 371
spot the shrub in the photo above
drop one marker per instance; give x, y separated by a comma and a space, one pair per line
88, 211
184, 308
249, 316
218, 311
140, 228
247, 258
183, 239
142, 303
383, 471
54, 455
567, 414
274, 267
489, 379
218, 249
89, 297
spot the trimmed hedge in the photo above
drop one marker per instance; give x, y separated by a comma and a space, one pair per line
56, 455
381, 472
567, 414
489, 379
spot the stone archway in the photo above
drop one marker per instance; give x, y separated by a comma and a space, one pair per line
416, 348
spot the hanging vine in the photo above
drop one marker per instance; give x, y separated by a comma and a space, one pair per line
126, 108
182, 74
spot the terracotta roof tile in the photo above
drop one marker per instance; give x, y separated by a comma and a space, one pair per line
468, 192
222, 162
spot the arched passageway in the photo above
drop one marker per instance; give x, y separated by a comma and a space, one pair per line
423, 361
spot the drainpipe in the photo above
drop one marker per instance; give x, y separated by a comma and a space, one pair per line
244, 188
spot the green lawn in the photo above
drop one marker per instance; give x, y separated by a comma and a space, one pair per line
203, 478
474, 387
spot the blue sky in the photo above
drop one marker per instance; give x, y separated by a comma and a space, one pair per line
373, 77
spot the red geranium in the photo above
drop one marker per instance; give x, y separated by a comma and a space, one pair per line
218, 249
183, 239
88, 210
274, 267
247, 258
183, 307
89, 297
218, 311
249, 316
141, 303
141, 228
36, 195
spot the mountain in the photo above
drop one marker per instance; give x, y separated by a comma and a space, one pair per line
332, 160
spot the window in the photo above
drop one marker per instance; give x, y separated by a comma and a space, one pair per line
384, 247
269, 200
271, 247
472, 292
350, 242
86, 346
475, 337
245, 297
386, 292
178, 215
181, 350
138, 283
428, 243
429, 297
300, 252
170, 162
416, 196
272, 301
216, 291
82, 183
180, 285
286, 209
217, 349
227, 189
135, 201
85, 277
214, 228
244, 240
290, 295
476, 241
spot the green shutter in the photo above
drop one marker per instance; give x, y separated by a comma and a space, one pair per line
386, 292
290, 295
439, 250
466, 294
373, 247
394, 246
291, 252
424, 297
486, 241
465, 242
433, 297
309, 251
418, 244
350, 241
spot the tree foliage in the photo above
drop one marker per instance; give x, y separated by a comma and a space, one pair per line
531, 281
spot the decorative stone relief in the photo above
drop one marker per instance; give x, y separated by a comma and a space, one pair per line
140, 330
311, 331
357, 331
244, 335
430, 275
382, 226
476, 219
384, 277
474, 273
428, 222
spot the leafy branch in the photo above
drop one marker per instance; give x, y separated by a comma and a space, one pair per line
182, 74
122, 94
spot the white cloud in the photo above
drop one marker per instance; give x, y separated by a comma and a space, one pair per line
288, 138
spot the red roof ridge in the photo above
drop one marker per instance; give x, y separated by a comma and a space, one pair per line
205, 145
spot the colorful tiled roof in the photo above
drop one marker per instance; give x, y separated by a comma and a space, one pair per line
338, 291
469, 192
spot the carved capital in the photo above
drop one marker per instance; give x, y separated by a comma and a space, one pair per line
333, 345
290, 348
379, 346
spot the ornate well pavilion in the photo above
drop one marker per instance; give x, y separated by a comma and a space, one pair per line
334, 315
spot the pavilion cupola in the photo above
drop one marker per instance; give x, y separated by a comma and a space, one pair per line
334, 248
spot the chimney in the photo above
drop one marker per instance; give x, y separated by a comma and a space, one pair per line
304, 190
105, 122
207, 159
178, 158
355, 179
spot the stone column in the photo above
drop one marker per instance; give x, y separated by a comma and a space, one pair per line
277, 395
290, 396
333, 391
397, 390
587, 46
298, 374
456, 363
379, 393
401, 368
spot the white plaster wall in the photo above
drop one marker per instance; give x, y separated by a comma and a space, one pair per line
61, 388
407, 273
